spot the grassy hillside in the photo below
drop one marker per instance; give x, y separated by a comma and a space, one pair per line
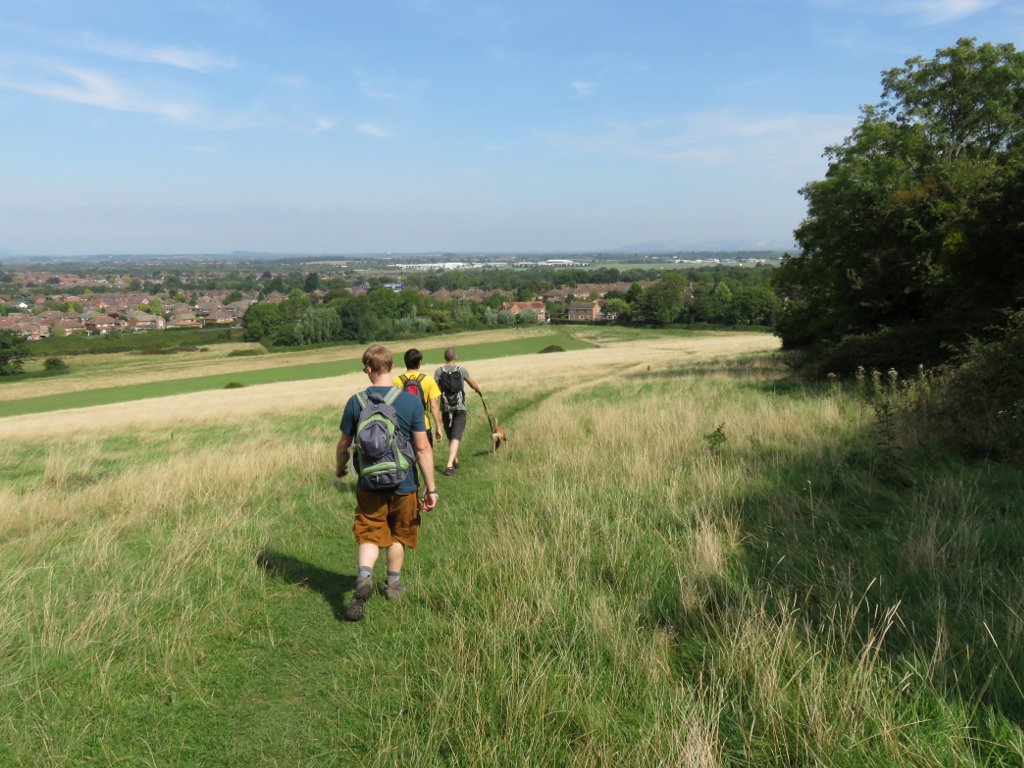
679, 560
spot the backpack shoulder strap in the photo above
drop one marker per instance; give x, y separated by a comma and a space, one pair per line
392, 395
361, 399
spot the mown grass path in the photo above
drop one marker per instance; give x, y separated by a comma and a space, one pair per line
319, 370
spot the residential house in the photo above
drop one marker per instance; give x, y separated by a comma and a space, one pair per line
238, 308
184, 318
557, 294
585, 310
73, 324
144, 321
515, 307
104, 324
220, 317
28, 326
205, 307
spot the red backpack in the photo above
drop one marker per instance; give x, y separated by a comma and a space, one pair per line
412, 385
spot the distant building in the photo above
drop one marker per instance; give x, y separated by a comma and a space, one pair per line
584, 310
220, 317
515, 307
144, 321
104, 324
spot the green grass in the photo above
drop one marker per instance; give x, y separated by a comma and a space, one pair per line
432, 356
604, 591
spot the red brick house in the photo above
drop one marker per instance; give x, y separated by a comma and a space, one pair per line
585, 310
515, 307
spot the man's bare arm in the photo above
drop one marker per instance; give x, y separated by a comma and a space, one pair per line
425, 460
341, 455
435, 415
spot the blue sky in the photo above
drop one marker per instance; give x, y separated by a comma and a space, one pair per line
206, 126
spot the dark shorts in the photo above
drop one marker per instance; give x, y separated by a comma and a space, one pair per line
382, 518
454, 423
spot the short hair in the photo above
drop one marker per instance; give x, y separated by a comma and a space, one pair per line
413, 358
449, 354
377, 358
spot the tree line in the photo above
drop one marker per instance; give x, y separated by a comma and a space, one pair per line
914, 240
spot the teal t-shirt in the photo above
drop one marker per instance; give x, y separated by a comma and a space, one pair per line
410, 419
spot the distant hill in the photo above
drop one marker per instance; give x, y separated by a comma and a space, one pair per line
704, 246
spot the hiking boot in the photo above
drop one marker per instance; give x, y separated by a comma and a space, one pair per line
449, 471
455, 464
394, 591
364, 588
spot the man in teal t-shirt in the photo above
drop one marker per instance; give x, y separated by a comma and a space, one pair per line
388, 519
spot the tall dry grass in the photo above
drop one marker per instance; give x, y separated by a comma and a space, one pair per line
613, 591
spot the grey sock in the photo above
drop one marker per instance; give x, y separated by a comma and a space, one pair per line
365, 570
393, 577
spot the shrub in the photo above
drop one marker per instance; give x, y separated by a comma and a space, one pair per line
552, 348
257, 350
234, 385
974, 405
55, 365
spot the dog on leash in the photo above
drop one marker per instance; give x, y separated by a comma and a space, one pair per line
498, 436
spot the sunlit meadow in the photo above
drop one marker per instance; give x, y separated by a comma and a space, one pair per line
680, 558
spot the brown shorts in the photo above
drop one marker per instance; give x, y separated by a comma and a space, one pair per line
383, 518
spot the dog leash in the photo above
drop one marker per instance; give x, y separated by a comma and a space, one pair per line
490, 421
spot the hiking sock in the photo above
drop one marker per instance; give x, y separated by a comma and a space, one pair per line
393, 577
365, 571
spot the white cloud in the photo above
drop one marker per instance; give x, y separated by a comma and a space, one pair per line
182, 58
926, 11
943, 11
388, 88
322, 124
722, 138
82, 86
292, 81
372, 129
582, 87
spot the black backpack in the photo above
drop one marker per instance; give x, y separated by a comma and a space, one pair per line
451, 385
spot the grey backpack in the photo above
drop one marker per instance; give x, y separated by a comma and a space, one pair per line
383, 455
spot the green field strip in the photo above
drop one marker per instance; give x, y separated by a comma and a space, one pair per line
432, 356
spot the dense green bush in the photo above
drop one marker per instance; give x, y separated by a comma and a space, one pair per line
14, 351
974, 405
77, 344
258, 349
55, 365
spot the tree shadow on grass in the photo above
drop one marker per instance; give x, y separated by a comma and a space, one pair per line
331, 586
857, 531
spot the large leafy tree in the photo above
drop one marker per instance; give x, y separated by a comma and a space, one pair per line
13, 352
913, 239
